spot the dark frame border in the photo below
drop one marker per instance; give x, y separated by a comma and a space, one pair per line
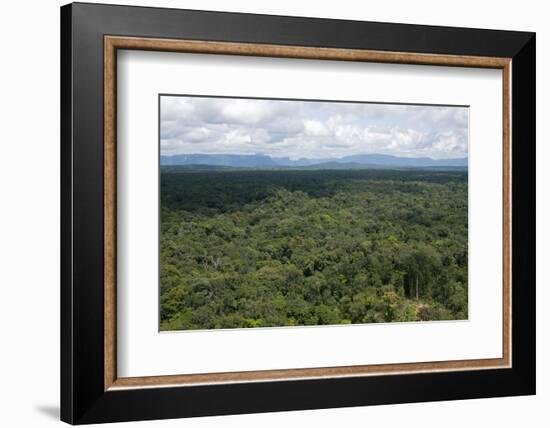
83, 399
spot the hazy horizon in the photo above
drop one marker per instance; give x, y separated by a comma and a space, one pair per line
297, 129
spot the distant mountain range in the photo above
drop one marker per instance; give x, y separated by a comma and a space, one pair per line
353, 161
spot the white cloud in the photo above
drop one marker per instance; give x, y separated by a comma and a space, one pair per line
247, 112
310, 129
315, 128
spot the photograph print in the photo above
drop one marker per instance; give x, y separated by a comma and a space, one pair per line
282, 213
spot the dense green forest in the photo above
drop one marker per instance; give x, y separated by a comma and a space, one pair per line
262, 248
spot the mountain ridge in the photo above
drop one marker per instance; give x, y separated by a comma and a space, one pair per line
265, 161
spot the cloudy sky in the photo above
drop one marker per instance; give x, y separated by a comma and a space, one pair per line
310, 129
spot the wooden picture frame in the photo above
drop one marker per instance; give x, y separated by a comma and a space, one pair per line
91, 390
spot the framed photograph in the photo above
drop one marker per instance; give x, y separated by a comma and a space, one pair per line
266, 213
